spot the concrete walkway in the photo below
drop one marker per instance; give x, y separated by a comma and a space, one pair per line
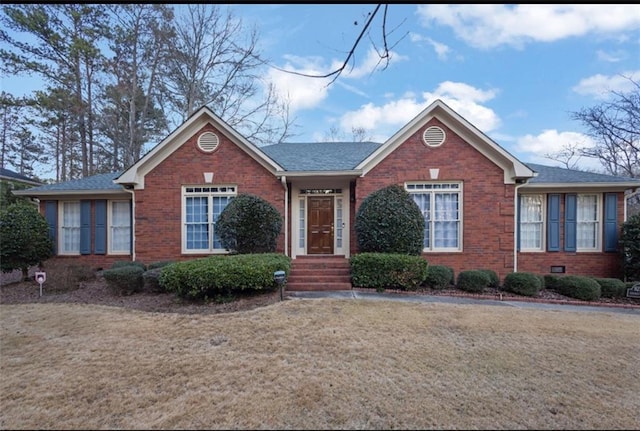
378, 296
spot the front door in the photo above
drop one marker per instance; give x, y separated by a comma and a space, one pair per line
320, 225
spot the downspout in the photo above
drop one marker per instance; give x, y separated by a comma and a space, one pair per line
133, 222
516, 216
283, 180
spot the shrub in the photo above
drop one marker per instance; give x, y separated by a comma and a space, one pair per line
473, 280
216, 276
494, 280
249, 224
160, 264
25, 241
579, 287
387, 271
523, 283
439, 277
551, 281
124, 280
123, 263
150, 280
611, 287
389, 221
630, 247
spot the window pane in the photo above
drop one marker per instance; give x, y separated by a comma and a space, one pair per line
587, 221
197, 229
70, 227
219, 204
423, 200
120, 227
446, 220
531, 208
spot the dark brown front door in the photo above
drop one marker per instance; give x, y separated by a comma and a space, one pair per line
320, 225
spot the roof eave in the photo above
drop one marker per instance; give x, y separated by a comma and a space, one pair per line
28, 192
621, 186
349, 173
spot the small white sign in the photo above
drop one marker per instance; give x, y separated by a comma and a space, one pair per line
41, 277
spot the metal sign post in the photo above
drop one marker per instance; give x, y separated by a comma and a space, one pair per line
41, 277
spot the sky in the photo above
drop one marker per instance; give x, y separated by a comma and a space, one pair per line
516, 72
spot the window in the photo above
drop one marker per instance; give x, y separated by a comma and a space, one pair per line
70, 227
587, 222
120, 227
440, 204
202, 207
531, 222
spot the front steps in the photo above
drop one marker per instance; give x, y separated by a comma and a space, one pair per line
319, 272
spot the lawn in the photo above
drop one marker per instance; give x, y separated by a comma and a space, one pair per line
318, 364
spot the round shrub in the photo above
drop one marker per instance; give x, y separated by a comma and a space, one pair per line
159, 264
612, 287
630, 247
439, 277
579, 287
473, 280
124, 280
523, 283
389, 221
150, 280
494, 280
249, 224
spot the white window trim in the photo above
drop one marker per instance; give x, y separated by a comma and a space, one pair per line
60, 229
599, 224
543, 232
110, 230
460, 191
183, 217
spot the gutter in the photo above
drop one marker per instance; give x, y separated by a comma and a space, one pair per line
283, 180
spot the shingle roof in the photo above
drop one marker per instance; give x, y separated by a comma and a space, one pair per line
92, 183
6, 173
557, 175
320, 156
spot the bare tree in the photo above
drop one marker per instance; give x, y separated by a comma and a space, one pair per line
615, 127
215, 62
381, 47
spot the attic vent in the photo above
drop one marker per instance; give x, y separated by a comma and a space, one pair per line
433, 136
208, 142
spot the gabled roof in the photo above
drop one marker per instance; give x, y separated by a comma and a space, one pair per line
320, 156
551, 176
512, 167
6, 174
96, 184
136, 173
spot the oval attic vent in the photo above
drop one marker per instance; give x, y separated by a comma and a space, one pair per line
433, 136
208, 142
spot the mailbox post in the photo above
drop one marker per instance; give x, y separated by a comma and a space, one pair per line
41, 277
280, 277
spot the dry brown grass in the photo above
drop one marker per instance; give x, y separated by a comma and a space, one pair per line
319, 364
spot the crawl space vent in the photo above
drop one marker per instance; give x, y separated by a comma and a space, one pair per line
208, 142
433, 136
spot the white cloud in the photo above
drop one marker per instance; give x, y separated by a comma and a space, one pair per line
442, 51
370, 64
535, 149
385, 120
491, 25
601, 86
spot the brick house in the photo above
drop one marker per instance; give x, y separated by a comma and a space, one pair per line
483, 207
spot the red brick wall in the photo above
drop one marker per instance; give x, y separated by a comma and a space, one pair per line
575, 263
158, 207
487, 203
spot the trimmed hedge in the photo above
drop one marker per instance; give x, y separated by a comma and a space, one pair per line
439, 277
579, 287
523, 283
473, 280
214, 276
612, 287
387, 271
124, 263
249, 225
389, 221
494, 280
125, 280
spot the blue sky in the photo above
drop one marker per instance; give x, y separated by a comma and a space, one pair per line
514, 71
